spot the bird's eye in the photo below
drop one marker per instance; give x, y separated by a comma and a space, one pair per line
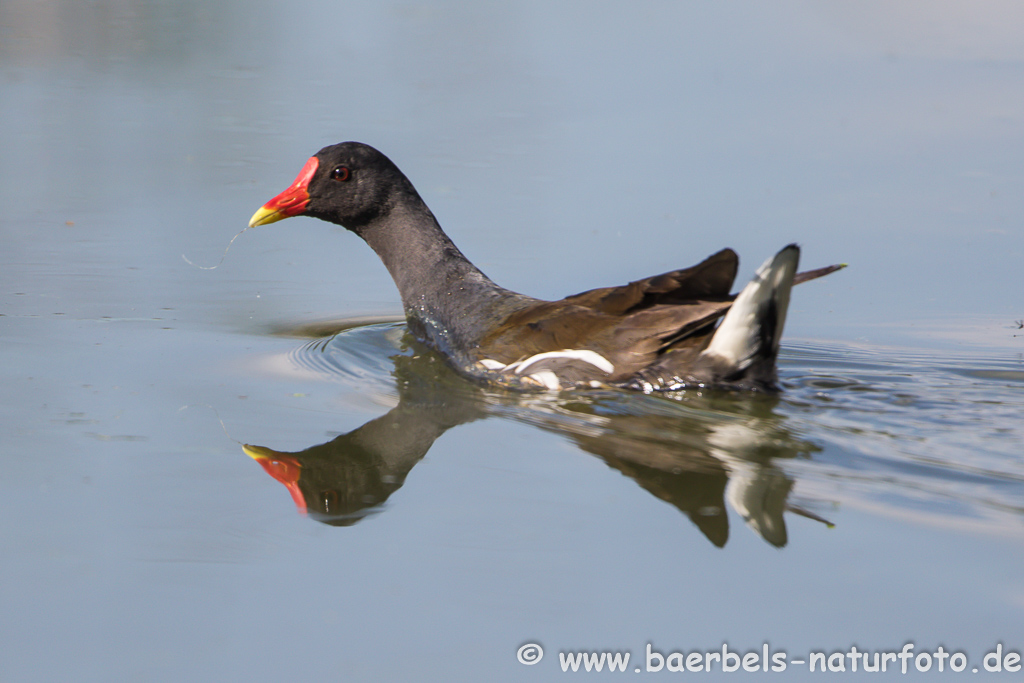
340, 173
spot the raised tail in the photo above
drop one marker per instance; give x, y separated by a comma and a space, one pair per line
745, 346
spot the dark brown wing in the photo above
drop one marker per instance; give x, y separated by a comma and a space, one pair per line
711, 278
671, 316
627, 325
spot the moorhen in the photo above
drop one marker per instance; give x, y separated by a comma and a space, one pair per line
655, 334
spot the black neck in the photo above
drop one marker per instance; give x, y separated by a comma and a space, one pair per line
448, 300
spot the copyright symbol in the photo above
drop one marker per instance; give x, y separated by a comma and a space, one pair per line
530, 654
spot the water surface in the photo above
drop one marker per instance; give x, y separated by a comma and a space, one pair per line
205, 475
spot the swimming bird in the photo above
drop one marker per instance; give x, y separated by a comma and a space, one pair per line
661, 333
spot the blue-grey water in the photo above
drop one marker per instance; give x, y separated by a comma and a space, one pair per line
252, 472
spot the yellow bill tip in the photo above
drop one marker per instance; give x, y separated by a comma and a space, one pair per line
257, 452
266, 216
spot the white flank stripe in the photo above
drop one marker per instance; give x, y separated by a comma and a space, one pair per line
585, 355
548, 379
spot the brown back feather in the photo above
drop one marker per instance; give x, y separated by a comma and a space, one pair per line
629, 325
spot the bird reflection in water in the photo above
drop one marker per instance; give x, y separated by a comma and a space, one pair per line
693, 454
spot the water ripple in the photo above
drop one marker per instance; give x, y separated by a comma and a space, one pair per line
907, 432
